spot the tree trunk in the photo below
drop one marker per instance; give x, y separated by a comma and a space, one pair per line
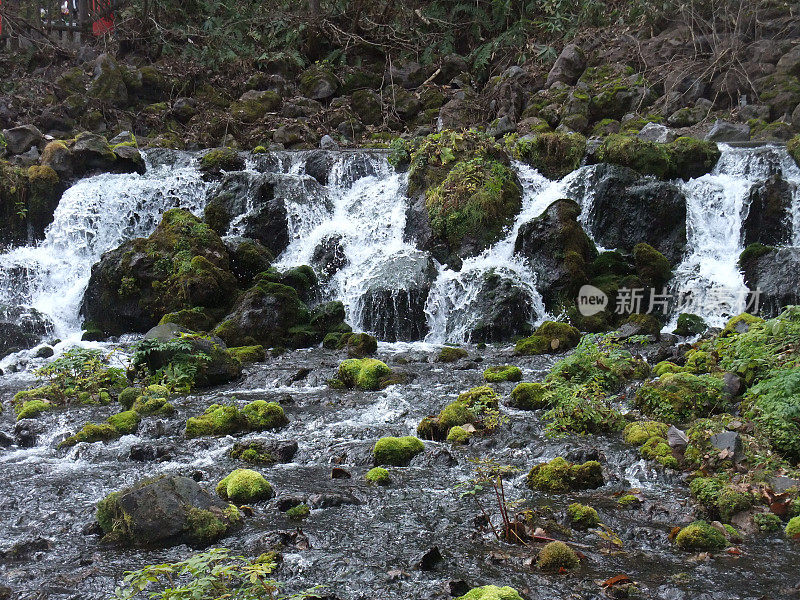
313, 8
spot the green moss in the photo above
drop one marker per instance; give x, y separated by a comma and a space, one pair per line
639, 432
262, 415
244, 485
647, 324
649, 158
471, 406
477, 199
216, 420
793, 147
582, 516
194, 319
558, 475
126, 422
557, 555
793, 528
740, 322
502, 373
720, 500
299, 512
554, 155
360, 345
364, 373
396, 451
449, 354
205, 525
700, 536
691, 157
153, 405
666, 366
491, 592
378, 476
128, 396
530, 396
32, 408
549, 337
254, 453
657, 449
628, 500
92, 432
248, 354
768, 522
680, 397
221, 159
652, 268
458, 435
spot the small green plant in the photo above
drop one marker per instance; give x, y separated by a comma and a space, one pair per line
210, 575
181, 369
488, 474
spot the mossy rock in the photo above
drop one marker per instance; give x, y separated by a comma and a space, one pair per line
651, 266
502, 373
582, 516
649, 158
644, 324
378, 476
692, 157
681, 397
217, 419
449, 354
397, 451
555, 556
361, 345
146, 405
554, 155
298, 513
740, 324
254, 453
363, 373
639, 432
793, 528
30, 409
193, 319
720, 499
90, 433
793, 147
549, 337
126, 422
244, 486
262, 415
530, 396
248, 354
254, 105
491, 592
700, 536
558, 475
470, 407
458, 435
221, 159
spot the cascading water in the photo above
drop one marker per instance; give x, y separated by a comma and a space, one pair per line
717, 205
94, 216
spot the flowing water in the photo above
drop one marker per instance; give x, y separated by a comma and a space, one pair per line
361, 541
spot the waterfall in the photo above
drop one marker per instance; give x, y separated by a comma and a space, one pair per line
717, 205
94, 215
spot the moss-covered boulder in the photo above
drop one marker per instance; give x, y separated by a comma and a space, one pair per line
557, 555
689, 324
700, 536
248, 354
397, 451
244, 486
378, 476
219, 160
554, 155
167, 511
792, 529
650, 437
558, 475
491, 592
363, 373
549, 337
720, 499
502, 373
471, 407
28, 199
30, 409
361, 345
559, 252
319, 82
683, 158
680, 397
219, 419
182, 265
582, 516
254, 105
530, 396
450, 354
108, 82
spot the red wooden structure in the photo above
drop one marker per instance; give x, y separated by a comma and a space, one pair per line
64, 20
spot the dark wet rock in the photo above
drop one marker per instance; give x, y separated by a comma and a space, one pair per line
252, 195
782, 483
45, 352
329, 256
332, 500
729, 442
769, 219
724, 131
22, 138
248, 257
318, 83
773, 273
677, 438
150, 452
558, 250
318, 165
340, 473
427, 560
282, 540
27, 431
21, 329
568, 66
733, 385
328, 143
395, 292
6, 440
408, 74
165, 512
285, 503
26, 550
458, 587
655, 132
629, 209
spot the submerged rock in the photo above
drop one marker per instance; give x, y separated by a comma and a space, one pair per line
165, 512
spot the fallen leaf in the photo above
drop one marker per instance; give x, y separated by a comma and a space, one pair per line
615, 580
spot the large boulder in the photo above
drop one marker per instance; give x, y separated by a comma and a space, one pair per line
165, 512
108, 82
392, 305
629, 209
250, 199
500, 310
558, 250
773, 273
769, 218
568, 66
22, 328
22, 138
182, 265
318, 83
